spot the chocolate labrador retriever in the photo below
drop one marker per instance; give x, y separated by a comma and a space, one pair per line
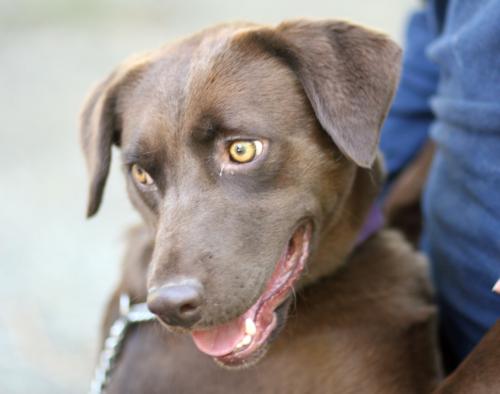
251, 153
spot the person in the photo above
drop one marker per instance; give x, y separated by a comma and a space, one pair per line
450, 94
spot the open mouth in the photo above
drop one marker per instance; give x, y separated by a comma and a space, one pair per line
242, 340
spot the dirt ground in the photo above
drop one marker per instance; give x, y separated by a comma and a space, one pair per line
56, 269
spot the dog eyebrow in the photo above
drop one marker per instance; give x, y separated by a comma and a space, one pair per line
130, 157
205, 134
213, 125
137, 153
206, 129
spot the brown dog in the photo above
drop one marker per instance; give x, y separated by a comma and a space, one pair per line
251, 153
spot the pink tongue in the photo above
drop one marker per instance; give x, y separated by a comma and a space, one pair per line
220, 340
223, 339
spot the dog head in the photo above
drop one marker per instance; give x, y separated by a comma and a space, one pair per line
250, 151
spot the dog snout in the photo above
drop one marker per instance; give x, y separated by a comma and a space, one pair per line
177, 304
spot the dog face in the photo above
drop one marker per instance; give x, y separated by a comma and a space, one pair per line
244, 148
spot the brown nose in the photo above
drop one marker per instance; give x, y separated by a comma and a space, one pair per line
177, 304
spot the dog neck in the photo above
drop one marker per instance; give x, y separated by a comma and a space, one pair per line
359, 217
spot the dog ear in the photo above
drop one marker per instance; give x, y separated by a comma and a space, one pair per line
100, 127
349, 75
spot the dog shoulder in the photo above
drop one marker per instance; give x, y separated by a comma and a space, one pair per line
377, 311
388, 264
396, 279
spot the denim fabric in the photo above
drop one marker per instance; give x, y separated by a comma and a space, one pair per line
462, 197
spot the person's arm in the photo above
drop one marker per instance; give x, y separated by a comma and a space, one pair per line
404, 142
479, 372
406, 128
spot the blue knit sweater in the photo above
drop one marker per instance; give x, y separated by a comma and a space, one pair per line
450, 92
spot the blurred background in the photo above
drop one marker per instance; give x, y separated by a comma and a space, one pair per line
56, 269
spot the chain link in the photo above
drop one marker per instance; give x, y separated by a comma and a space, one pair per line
129, 314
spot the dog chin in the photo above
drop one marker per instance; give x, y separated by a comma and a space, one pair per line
258, 354
250, 361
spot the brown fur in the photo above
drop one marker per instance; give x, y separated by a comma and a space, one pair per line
318, 93
369, 328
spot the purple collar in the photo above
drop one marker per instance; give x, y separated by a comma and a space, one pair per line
373, 222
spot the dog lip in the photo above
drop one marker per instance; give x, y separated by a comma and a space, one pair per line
265, 311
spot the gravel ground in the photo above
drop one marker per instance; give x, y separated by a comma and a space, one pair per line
56, 269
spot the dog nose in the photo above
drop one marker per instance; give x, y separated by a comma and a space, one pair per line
177, 305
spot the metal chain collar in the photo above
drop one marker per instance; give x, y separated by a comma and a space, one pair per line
129, 315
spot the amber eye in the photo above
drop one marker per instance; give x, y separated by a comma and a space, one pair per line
141, 176
242, 151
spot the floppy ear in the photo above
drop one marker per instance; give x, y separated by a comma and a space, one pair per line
100, 127
349, 75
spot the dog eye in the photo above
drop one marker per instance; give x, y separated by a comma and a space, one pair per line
141, 176
242, 151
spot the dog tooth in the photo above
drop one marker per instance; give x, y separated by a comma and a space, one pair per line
250, 328
246, 340
243, 342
